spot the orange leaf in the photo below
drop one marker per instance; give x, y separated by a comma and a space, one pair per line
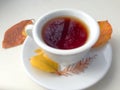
14, 36
105, 33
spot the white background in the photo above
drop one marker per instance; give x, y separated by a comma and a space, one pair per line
12, 74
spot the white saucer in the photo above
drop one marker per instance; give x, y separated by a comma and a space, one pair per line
95, 71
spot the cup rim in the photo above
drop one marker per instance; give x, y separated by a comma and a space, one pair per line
82, 48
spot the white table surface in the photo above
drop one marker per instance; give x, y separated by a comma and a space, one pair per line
12, 73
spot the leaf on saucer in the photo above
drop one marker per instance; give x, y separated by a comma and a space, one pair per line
15, 35
42, 62
105, 33
39, 51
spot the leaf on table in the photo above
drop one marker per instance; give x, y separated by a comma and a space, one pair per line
105, 33
15, 35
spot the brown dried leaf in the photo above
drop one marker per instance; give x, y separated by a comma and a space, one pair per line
14, 36
105, 33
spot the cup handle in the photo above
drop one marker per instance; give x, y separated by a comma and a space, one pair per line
29, 28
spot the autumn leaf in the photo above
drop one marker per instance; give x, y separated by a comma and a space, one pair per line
105, 33
15, 35
42, 62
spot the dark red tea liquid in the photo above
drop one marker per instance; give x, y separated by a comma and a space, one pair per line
65, 33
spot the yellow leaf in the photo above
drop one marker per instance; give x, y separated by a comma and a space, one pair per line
39, 51
42, 62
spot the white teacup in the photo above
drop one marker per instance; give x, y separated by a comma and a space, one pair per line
70, 56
